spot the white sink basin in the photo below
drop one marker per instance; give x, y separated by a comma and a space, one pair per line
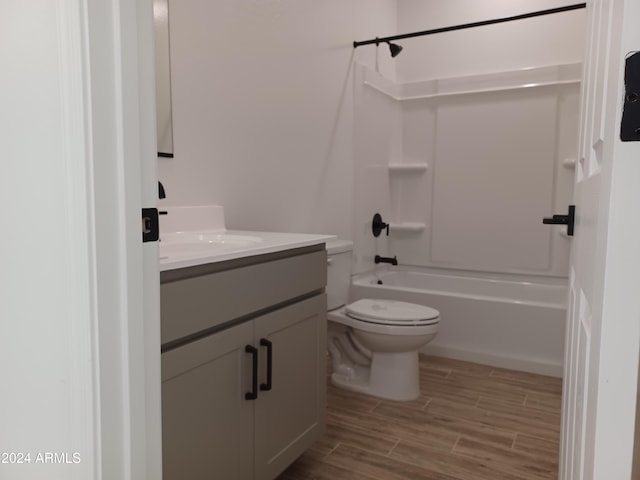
209, 238
190, 243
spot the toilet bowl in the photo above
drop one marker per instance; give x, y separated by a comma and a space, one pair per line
374, 343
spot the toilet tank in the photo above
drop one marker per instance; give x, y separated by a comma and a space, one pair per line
338, 272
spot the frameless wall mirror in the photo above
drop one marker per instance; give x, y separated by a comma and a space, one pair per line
163, 78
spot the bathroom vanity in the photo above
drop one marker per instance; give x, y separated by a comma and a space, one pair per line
243, 357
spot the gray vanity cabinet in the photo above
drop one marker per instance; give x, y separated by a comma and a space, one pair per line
291, 416
207, 427
212, 427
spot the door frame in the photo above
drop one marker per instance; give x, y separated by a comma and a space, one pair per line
121, 86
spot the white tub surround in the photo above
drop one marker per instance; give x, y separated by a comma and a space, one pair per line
465, 168
507, 321
196, 235
525, 78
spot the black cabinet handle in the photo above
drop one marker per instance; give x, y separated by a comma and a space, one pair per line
266, 343
567, 220
253, 394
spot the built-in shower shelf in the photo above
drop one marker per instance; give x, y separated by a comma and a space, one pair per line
569, 163
409, 227
408, 167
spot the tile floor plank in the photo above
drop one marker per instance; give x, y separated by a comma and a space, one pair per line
432, 424
471, 422
538, 446
459, 466
516, 462
383, 426
355, 436
382, 467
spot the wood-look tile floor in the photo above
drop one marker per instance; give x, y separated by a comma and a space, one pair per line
471, 422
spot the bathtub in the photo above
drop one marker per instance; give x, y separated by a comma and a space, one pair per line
506, 321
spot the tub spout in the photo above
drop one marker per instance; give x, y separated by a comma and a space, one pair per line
392, 261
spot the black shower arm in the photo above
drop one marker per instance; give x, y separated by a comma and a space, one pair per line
471, 25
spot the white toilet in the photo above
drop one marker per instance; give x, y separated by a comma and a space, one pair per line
373, 343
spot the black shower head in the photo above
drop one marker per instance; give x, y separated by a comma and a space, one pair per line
395, 49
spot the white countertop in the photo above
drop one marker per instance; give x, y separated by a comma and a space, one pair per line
197, 235
202, 253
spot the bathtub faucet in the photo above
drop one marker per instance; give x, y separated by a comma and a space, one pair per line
392, 261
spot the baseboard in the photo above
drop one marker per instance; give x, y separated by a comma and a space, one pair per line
542, 368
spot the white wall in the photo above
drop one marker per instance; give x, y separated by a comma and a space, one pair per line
263, 108
47, 404
546, 40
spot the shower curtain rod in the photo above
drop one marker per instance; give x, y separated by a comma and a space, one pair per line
471, 25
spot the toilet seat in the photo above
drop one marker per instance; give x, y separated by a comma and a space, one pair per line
392, 312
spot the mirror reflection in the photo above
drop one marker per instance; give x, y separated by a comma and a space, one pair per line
163, 78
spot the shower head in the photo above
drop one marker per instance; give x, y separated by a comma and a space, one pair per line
395, 49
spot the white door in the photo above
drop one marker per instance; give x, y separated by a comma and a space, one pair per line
601, 357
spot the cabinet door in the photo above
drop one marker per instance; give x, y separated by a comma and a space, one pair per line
290, 416
207, 425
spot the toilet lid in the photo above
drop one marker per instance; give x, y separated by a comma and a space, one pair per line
392, 312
